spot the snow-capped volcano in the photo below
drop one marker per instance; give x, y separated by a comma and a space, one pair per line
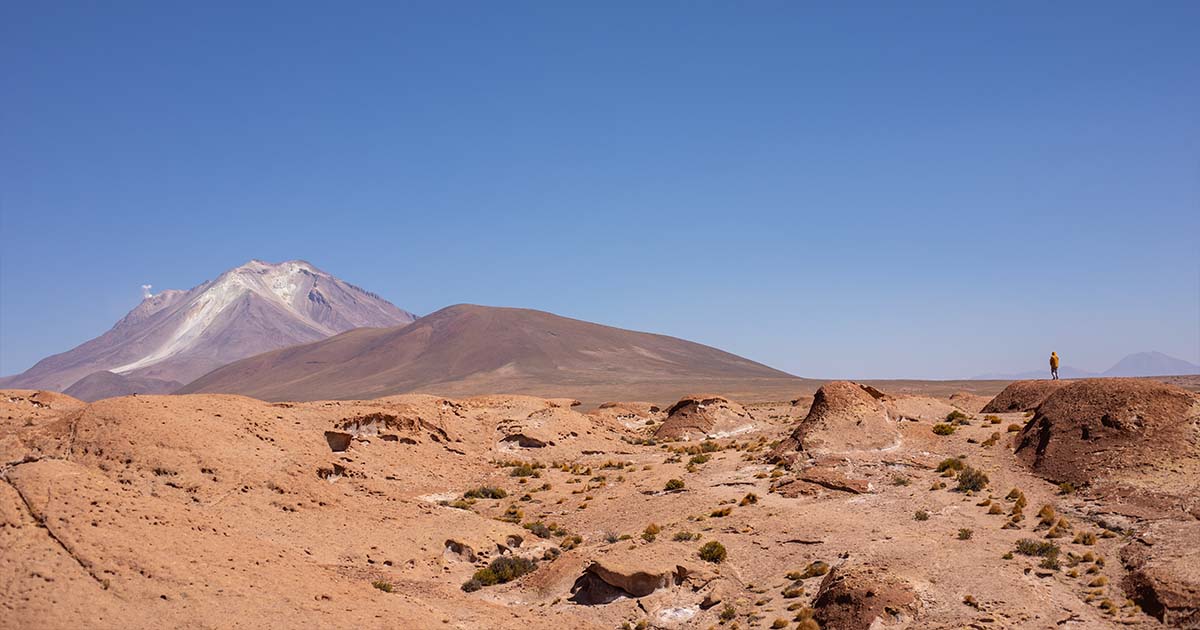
177, 336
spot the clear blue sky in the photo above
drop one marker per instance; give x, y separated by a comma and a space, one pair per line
865, 190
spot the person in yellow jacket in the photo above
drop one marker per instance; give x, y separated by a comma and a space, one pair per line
1054, 366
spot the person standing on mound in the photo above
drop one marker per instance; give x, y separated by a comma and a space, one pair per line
1054, 366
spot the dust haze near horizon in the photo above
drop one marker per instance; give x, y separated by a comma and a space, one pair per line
877, 192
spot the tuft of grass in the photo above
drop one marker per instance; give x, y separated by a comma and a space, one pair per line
1085, 538
522, 470
383, 585
571, 542
725, 511
971, 479
728, 613
943, 429
749, 499
992, 419
965, 533
1043, 548
1066, 488
650, 534
685, 536
793, 591
674, 484
921, 515
1014, 427
779, 623
814, 569
702, 458
957, 417
900, 480
485, 492
712, 551
951, 463
501, 570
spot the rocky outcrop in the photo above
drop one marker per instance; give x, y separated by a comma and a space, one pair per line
606, 580
698, 417
1164, 573
860, 598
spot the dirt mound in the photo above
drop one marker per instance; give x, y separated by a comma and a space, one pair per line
1101, 428
844, 417
697, 417
1022, 396
858, 598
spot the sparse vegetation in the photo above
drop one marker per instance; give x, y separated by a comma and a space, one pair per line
725, 511
957, 417
749, 499
1014, 427
650, 534
1085, 538
1030, 547
1066, 488
674, 484
900, 480
921, 515
814, 569
685, 536
951, 463
499, 571
522, 470
712, 551
485, 492
728, 613
943, 429
971, 479
992, 419
965, 533
383, 585
570, 542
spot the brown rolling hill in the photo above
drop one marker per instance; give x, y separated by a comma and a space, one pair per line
468, 350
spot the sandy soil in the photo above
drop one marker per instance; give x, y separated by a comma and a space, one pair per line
218, 511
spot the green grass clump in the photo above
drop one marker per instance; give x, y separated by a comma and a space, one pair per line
814, 569
674, 484
485, 492
971, 479
951, 463
522, 470
1043, 548
957, 417
383, 585
712, 551
943, 429
965, 534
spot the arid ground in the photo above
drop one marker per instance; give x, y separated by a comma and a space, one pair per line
894, 505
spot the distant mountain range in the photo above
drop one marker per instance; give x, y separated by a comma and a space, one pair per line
176, 336
1138, 364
